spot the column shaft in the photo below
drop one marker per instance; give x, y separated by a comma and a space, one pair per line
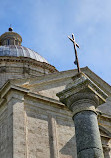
87, 135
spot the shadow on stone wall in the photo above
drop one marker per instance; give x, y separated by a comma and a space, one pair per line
69, 148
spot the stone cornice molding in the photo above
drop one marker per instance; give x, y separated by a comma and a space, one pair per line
8, 87
29, 61
107, 132
99, 81
82, 83
104, 116
82, 94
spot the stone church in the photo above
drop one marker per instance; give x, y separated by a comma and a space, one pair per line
45, 113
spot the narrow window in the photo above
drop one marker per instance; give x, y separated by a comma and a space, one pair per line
8, 42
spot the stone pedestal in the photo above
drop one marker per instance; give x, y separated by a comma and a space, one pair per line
82, 96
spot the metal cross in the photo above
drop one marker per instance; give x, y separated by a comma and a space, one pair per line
76, 62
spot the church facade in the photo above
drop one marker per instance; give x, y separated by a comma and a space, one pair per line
33, 122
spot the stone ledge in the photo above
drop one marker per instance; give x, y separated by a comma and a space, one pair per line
82, 84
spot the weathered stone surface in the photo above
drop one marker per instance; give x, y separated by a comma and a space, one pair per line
81, 88
82, 96
90, 153
6, 130
87, 134
33, 123
38, 125
21, 67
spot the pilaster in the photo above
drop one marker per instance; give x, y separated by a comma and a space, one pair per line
16, 100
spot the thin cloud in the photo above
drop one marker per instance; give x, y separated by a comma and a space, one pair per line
44, 26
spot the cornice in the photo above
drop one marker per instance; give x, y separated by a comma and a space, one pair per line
104, 116
63, 75
108, 134
82, 84
8, 87
29, 61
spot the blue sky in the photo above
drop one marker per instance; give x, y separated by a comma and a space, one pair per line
45, 24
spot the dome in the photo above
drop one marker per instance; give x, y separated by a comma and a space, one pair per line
20, 51
10, 45
18, 62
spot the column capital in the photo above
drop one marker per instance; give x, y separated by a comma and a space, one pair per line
82, 94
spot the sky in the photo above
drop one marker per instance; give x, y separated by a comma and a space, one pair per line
45, 24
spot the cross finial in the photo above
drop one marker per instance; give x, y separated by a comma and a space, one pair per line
76, 62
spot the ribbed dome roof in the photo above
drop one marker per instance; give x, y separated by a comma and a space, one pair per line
20, 51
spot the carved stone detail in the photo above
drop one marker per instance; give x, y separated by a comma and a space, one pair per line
82, 102
82, 96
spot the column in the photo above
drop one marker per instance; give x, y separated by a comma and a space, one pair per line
82, 96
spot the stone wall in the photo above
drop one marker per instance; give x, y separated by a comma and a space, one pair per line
34, 128
6, 130
14, 68
105, 130
50, 132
